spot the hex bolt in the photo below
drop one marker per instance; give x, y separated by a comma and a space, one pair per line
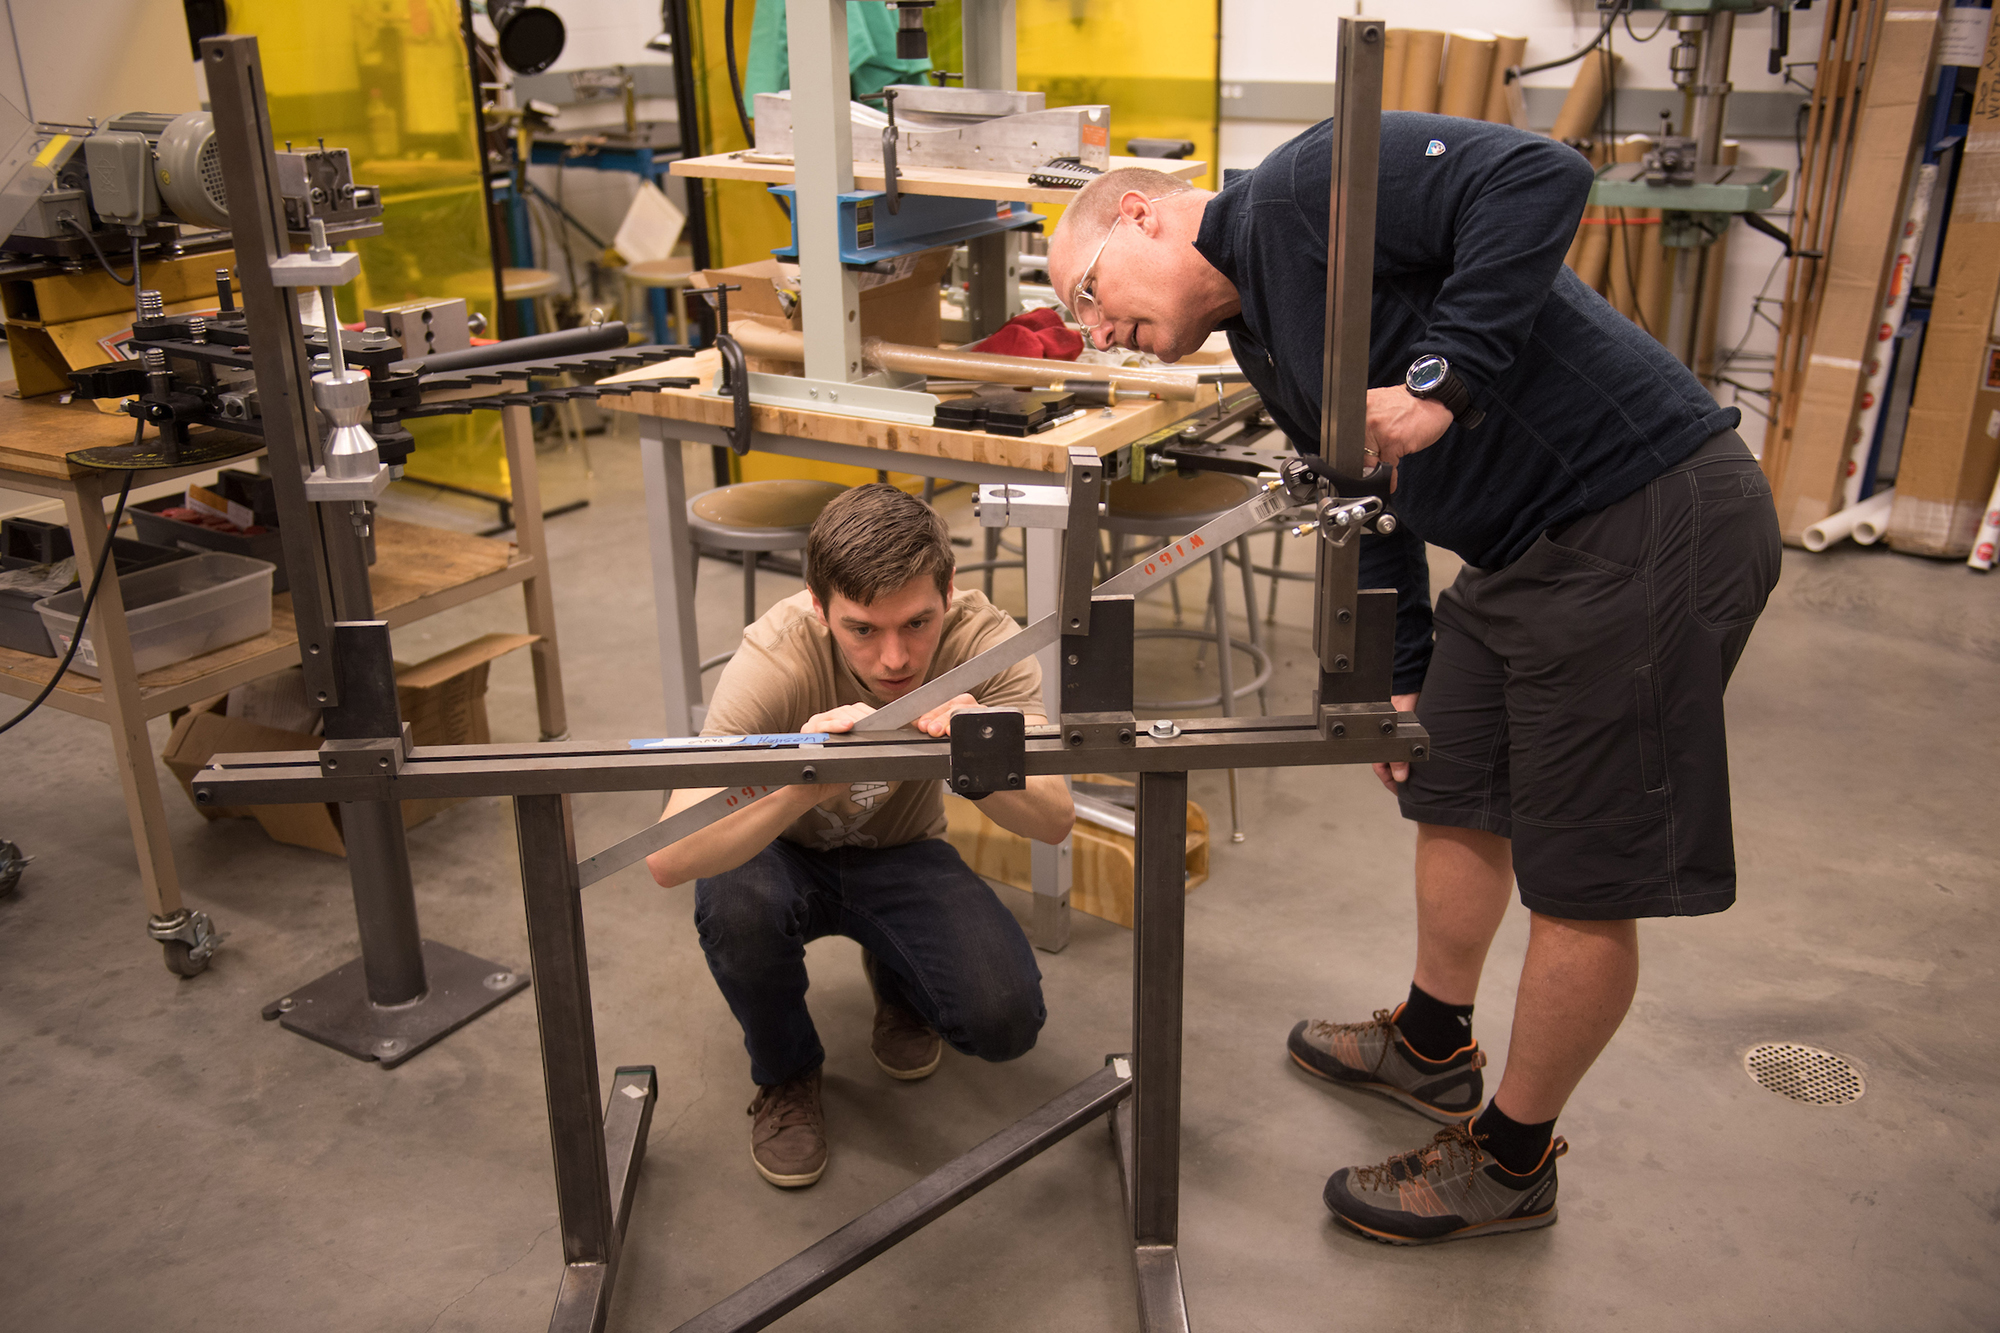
1340, 663
382, 762
1074, 659
1419, 752
807, 773
986, 732
1339, 729
964, 783
1013, 779
286, 1005
1388, 728
1075, 739
1124, 735
1163, 729
1343, 615
332, 764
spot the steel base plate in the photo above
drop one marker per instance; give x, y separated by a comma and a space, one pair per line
335, 1010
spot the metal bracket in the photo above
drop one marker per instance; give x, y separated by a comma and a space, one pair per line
989, 751
193, 929
322, 489
382, 756
879, 402
1086, 473
335, 269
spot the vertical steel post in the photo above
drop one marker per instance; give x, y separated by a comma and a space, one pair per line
1350, 260
994, 294
1711, 104
1159, 933
244, 141
554, 902
823, 149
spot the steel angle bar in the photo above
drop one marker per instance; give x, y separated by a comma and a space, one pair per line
669, 831
1156, 568
819, 1266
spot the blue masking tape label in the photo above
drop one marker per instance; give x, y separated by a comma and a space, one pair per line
778, 739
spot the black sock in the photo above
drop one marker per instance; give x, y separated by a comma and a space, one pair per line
1517, 1147
1433, 1028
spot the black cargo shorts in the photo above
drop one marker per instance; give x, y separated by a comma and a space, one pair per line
1574, 699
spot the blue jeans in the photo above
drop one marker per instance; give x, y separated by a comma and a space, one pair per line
945, 947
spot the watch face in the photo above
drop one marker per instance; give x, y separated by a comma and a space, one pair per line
1426, 374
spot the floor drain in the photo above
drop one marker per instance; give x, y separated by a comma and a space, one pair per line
1804, 1073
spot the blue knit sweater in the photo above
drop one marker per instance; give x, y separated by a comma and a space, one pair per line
1472, 222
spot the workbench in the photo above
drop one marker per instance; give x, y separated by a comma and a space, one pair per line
670, 419
418, 572
951, 182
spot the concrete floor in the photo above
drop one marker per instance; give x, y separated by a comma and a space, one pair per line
172, 1162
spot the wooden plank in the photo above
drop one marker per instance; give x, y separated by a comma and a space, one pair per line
950, 183
1047, 452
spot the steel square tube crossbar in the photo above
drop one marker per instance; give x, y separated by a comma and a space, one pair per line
819, 1266
557, 769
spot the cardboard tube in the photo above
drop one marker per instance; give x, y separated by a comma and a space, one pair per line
1423, 56
1873, 526
1395, 50
1501, 97
1593, 238
1621, 279
1578, 116
1838, 527
763, 340
1468, 70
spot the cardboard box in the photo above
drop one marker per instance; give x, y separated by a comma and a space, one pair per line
1951, 449
1808, 470
1101, 860
902, 310
443, 699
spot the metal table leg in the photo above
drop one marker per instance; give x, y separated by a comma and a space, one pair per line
1050, 866
673, 575
597, 1151
1150, 1138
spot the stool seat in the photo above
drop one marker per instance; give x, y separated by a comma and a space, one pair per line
759, 515
1174, 506
527, 284
673, 271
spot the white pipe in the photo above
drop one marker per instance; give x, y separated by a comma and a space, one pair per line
1838, 527
1874, 526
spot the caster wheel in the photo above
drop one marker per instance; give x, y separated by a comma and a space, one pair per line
181, 960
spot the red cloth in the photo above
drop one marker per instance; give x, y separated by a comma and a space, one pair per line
1037, 333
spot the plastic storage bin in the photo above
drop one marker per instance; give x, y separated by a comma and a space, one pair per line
175, 611
27, 544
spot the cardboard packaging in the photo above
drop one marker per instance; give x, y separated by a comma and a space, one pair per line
1951, 449
66, 321
1808, 470
443, 699
901, 309
1101, 859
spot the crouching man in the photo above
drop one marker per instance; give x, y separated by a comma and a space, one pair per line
945, 958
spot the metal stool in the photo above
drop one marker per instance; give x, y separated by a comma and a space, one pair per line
674, 275
752, 517
1276, 570
1174, 507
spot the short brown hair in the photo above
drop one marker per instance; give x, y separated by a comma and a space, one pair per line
872, 540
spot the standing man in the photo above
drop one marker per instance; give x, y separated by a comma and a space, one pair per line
1619, 542
867, 860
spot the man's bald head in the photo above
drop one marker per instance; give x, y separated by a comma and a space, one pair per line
1153, 290
1095, 208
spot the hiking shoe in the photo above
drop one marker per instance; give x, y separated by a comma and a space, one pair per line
904, 1045
788, 1132
1446, 1190
1374, 1057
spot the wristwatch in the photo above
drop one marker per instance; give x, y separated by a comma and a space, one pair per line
1432, 377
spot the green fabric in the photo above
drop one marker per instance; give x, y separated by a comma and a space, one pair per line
871, 52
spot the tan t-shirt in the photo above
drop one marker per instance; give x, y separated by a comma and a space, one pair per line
789, 670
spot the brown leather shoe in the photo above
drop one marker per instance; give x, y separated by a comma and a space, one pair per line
904, 1045
788, 1133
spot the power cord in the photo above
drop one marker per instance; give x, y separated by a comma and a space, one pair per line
90, 597
69, 221
1610, 18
